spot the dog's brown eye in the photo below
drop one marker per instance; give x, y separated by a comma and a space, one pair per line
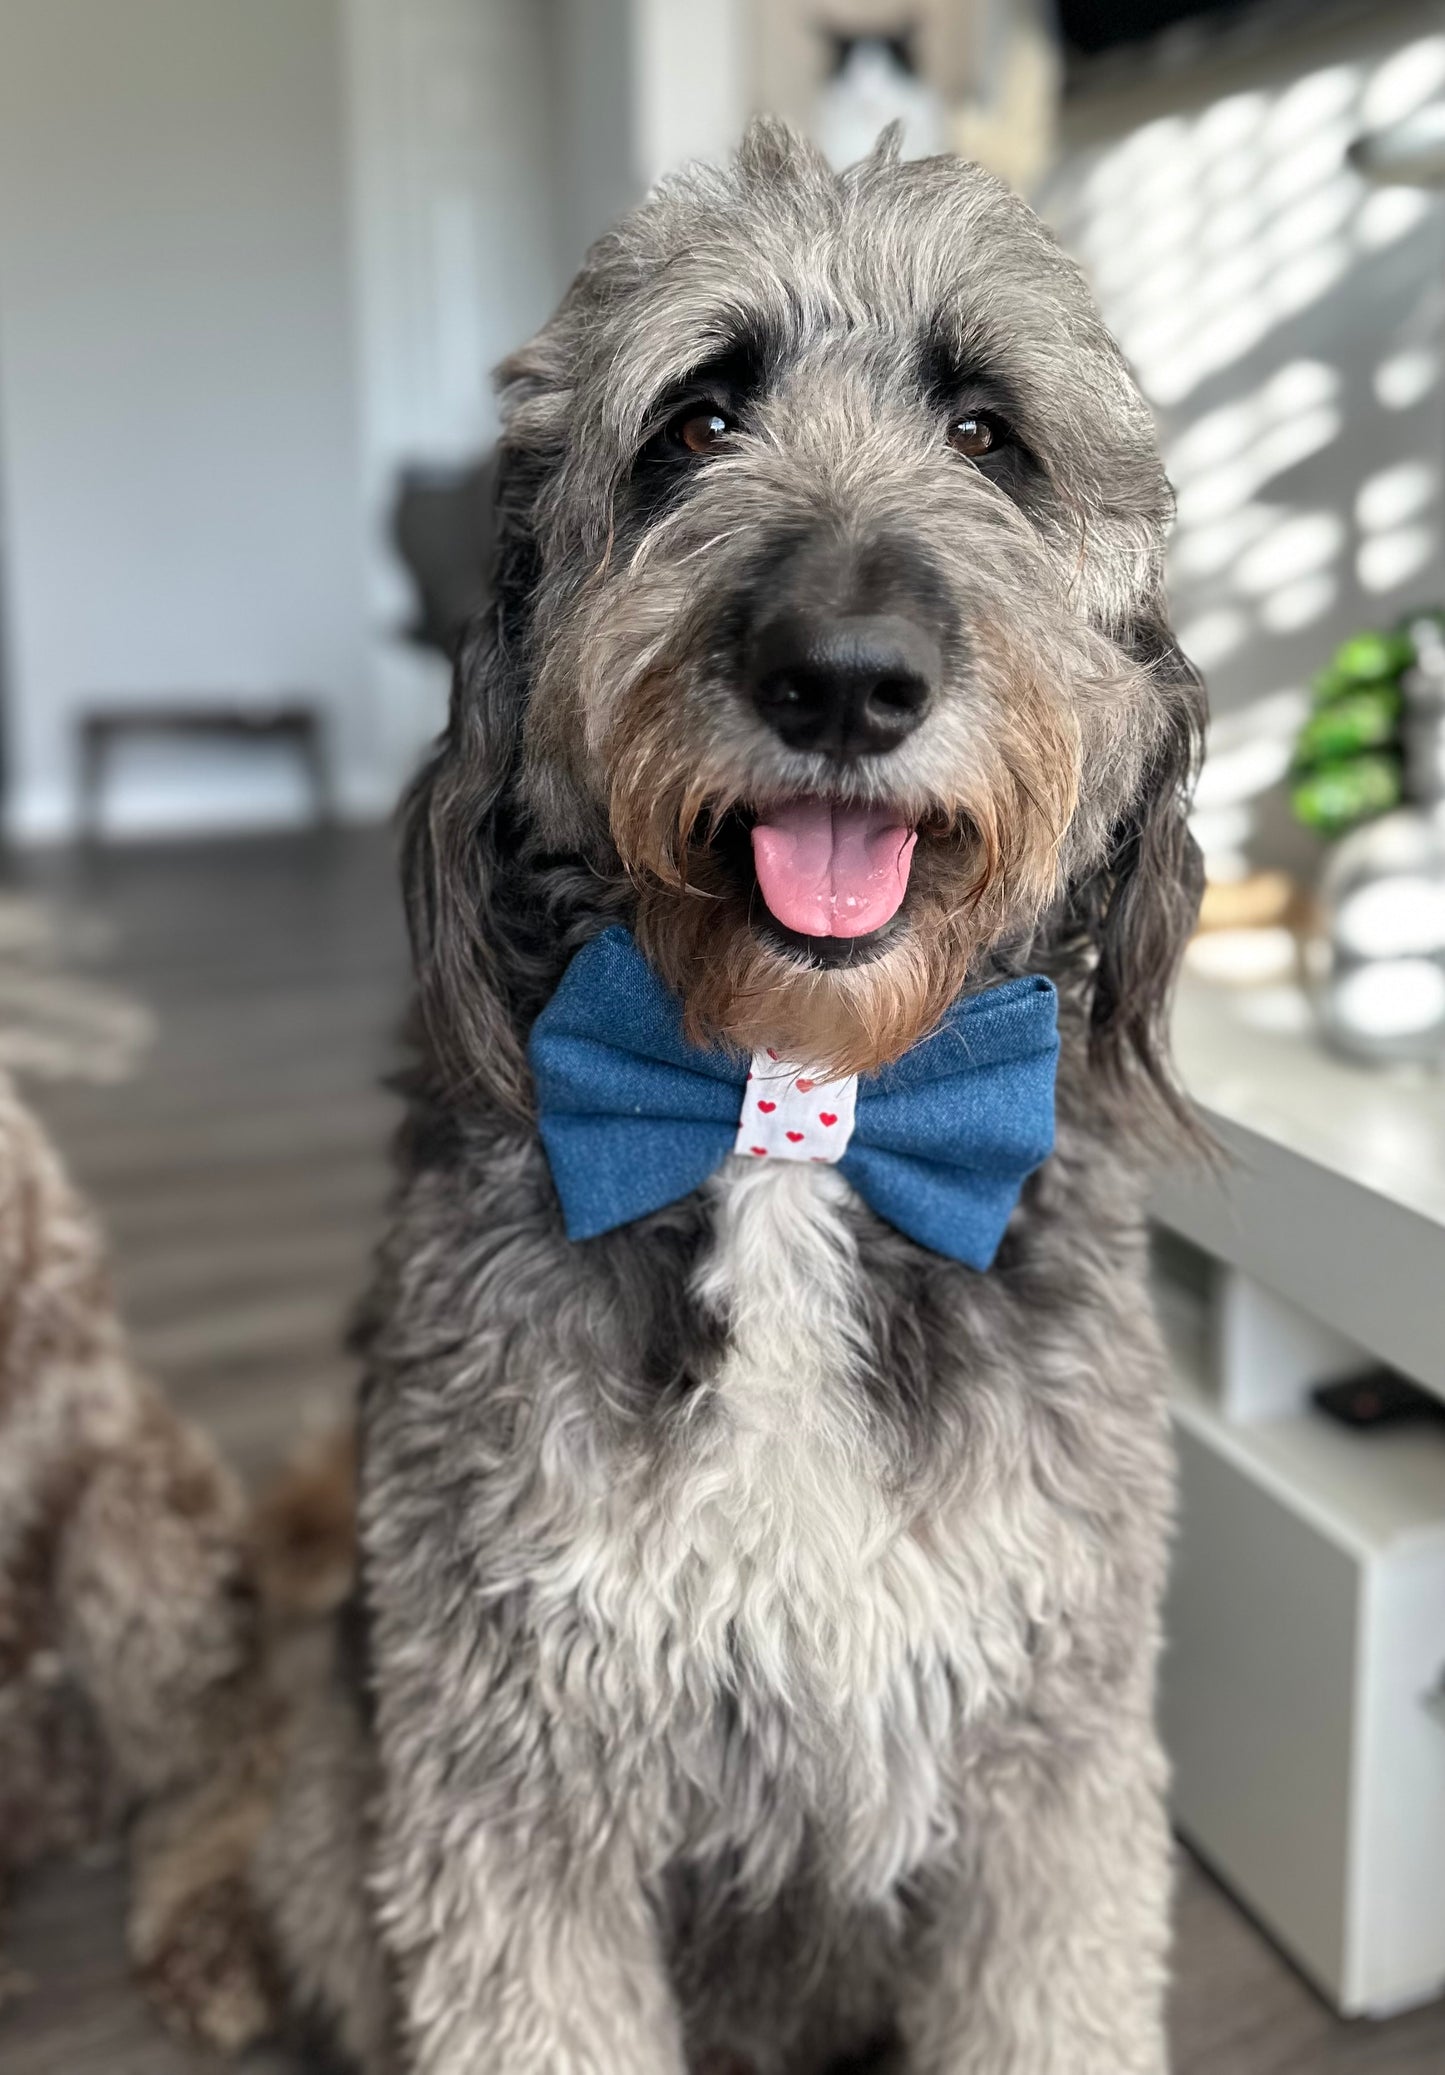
700, 431
973, 436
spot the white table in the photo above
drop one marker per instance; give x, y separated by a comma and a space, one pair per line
1338, 1196
1304, 1688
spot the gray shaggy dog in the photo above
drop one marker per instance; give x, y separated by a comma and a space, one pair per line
759, 1612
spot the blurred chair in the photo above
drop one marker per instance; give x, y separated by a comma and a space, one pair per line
444, 530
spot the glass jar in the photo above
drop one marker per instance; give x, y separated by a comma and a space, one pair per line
1377, 966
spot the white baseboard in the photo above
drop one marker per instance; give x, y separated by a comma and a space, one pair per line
210, 803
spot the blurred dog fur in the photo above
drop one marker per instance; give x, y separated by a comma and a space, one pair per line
753, 1660
129, 1668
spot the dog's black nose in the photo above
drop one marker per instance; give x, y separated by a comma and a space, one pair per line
848, 686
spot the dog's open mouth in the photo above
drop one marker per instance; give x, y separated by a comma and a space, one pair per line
829, 870
825, 879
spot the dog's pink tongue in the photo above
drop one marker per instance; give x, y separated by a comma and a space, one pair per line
829, 871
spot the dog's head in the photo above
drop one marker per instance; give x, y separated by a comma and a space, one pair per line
830, 620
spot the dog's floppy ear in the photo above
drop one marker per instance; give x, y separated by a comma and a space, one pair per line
1140, 907
461, 831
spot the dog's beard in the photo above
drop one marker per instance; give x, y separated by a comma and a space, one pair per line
985, 865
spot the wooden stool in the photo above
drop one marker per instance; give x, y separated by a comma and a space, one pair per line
298, 724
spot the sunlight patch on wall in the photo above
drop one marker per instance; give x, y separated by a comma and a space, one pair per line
1280, 319
1248, 755
1293, 548
1390, 214
1389, 560
1213, 636
1394, 494
1396, 542
1404, 82
1405, 379
1299, 604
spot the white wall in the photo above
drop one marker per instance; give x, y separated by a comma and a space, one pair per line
599, 174
255, 254
454, 188
180, 471
641, 86
492, 141
693, 80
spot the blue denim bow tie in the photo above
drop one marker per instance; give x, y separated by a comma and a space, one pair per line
634, 1117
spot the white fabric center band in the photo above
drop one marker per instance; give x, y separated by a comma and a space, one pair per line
789, 1116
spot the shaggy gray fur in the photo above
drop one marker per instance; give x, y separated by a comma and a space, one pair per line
761, 1612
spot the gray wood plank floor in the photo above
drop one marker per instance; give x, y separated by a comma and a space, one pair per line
242, 1173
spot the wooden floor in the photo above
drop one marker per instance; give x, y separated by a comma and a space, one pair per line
242, 1171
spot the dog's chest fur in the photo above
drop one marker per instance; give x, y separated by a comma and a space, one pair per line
803, 1632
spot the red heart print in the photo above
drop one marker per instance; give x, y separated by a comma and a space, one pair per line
804, 1086
767, 1108
796, 1137
771, 1053
827, 1116
761, 1151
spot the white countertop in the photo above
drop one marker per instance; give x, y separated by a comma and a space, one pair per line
1335, 1192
